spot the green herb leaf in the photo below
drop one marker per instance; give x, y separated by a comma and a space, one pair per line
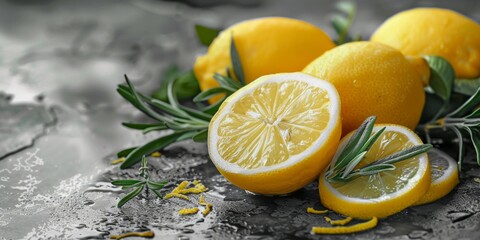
352, 164
461, 149
342, 22
205, 95
468, 106
125, 152
201, 136
155, 145
475, 137
442, 76
129, 196
157, 193
186, 85
404, 154
466, 86
157, 185
142, 126
126, 182
227, 83
236, 63
206, 35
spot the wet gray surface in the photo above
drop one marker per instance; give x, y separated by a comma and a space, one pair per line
60, 126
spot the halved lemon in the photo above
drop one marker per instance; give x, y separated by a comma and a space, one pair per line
444, 171
382, 194
277, 134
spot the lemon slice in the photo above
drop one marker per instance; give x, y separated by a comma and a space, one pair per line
276, 134
444, 172
382, 194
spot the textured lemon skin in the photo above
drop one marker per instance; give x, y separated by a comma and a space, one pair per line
285, 180
434, 31
380, 209
373, 80
266, 46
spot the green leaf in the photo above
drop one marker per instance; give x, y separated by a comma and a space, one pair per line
434, 108
207, 94
474, 114
346, 7
186, 85
442, 76
129, 196
226, 82
197, 114
466, 86
206, 35
156, 128
352, 164
374, 169
155, 145
356, 143
372, 140
142, 126
461, 149
475, 137
157, 185
126, 182
213, 108
125, 152
201, 136
404, 154
468, 106
137, 101
157, 193
236, 63
168, 108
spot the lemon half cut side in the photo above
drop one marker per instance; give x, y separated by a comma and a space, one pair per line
277, 134
381, 194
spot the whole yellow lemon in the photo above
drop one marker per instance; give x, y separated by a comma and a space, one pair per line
265, 46
372, 79
434, 31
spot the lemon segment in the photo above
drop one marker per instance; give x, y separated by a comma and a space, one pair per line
385, 193
444, 172
276, 135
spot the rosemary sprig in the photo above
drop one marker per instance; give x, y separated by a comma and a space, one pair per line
464, 122
342, 22
184, 122
447, 109
139, 185
347, 158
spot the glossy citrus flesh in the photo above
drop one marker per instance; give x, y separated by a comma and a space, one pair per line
277, 134
372, 80
385, 193
444, 172
434, 31
265, 46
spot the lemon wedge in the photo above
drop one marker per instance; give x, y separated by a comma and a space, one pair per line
385, 193
444, 172
277, 134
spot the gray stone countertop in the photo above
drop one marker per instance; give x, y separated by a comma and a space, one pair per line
60, 62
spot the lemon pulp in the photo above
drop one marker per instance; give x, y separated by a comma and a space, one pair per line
384, 183
273, 123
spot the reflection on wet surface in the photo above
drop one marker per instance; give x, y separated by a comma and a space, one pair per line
60, 116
